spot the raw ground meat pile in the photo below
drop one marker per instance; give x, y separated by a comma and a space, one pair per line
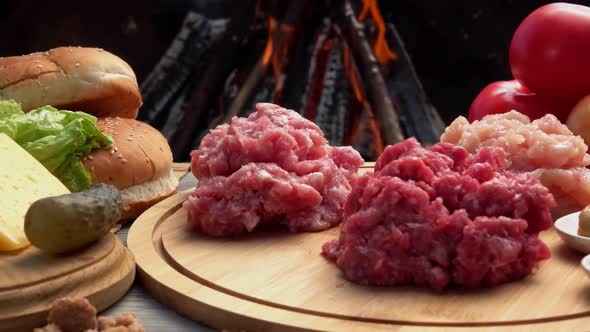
79, 315
273, 167
545, 147
442, 217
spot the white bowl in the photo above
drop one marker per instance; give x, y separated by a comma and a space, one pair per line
567, 228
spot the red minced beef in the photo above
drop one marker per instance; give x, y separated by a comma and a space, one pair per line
273, 167
440, 217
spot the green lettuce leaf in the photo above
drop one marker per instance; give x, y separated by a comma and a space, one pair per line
57, 138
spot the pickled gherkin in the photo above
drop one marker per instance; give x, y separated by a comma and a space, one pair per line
66, 223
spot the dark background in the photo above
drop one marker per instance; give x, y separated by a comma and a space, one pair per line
457, 46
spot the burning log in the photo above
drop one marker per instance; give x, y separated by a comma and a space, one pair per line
365, 134
279, 43
377, 90
215, 73
170, 74
417, 116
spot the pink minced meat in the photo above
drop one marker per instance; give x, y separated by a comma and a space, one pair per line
271, 167
545, 147
441, 217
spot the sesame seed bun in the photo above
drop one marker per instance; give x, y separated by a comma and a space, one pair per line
83, 79
139, 164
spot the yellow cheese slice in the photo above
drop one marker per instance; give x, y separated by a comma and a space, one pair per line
23, 180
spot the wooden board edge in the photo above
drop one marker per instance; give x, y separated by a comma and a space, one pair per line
115, 273
207, 306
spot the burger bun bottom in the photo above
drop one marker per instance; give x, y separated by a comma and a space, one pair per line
138, 198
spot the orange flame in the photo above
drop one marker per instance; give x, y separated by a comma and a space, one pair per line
269, 44
278, 45
382, 51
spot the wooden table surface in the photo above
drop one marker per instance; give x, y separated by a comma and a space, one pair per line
155, 316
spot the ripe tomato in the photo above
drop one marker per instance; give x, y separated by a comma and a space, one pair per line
550, 51
504, 96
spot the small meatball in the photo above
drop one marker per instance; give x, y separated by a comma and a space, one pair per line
73, 315
79, 315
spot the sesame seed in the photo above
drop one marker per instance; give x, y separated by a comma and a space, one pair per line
123, 160
116, 149
112, 151
119, 156
91, 157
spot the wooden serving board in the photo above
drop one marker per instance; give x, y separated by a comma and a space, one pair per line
31, 280
276, 281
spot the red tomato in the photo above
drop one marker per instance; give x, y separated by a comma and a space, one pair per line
504, 96
550, 51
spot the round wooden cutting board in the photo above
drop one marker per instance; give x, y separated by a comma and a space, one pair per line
273, 280
31, 280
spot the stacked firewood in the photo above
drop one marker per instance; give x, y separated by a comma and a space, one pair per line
338, 63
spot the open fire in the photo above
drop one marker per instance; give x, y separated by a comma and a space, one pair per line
339, 63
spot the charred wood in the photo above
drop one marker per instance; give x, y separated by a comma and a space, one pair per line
332, 107
293, 15
210, 81
164, 83
377, 91
408, 95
